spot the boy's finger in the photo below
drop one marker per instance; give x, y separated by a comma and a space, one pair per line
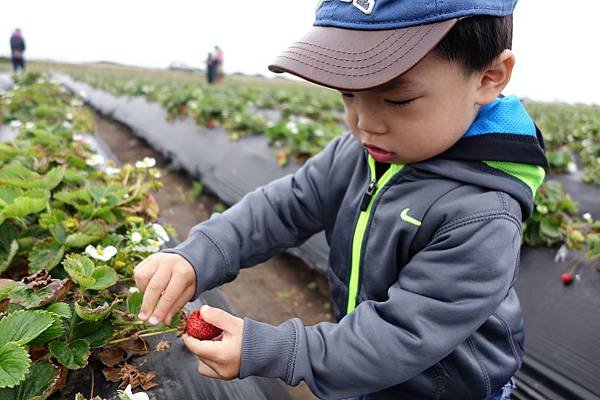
219, 318
181, 301
169, 297
205, 370
143, 272
153, 291
208, 350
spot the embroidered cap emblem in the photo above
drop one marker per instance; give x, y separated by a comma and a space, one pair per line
366, 6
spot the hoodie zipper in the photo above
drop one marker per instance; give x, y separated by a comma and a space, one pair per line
362, 225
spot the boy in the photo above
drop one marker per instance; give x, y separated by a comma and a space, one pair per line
422, 204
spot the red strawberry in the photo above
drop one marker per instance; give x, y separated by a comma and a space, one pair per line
197, 327
566, 278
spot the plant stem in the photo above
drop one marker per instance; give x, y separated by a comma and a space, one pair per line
143, 335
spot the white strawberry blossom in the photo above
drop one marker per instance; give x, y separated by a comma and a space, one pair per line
101, 253
147, 162
15, 123
136, 237
30, 126
588, 217
112, 171
161, 232
542, 209
152, 247
133, 289
95, 160
127, 394
572, 167
561, 254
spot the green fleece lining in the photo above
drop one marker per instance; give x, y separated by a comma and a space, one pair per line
531, 175
361, 229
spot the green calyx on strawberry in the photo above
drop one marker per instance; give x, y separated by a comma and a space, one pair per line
197, 327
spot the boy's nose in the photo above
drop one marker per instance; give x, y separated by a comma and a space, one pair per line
369, 121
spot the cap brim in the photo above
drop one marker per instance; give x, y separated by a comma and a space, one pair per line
354, 60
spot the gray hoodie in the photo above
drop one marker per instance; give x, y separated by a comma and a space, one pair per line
423, 262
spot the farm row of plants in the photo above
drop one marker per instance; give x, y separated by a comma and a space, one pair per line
572, 137
72, 228
311, 116
307, 118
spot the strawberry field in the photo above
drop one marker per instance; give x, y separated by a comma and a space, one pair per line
74, 224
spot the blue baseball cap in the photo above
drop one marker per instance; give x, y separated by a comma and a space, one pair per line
361, 44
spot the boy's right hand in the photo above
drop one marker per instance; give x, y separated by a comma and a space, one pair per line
168, 281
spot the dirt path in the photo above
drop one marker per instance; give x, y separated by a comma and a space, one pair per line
279, 289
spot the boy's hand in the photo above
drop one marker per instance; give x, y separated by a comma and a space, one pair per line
219, 358
168, 282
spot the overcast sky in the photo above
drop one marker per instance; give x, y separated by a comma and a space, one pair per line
555, 42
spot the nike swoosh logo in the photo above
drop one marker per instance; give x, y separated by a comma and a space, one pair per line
407, 218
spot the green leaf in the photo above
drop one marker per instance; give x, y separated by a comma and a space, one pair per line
30, 202
93, 314
80, 269
8, 194
30, 298
89, 232
550, 227
134, 303
97, 334
53, 218
73, 355
104, 277
14, 364
38, 381
8, 245
23, 326
61, 309
20, 176
54, 331
46, 254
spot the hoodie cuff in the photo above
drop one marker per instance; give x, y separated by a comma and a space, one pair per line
268, 351
209, 262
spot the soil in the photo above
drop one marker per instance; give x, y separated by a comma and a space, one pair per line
279, 289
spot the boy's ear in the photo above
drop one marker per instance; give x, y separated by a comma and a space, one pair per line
495, 77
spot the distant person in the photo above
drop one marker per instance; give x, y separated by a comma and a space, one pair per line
17, 48
218, 59
210, 69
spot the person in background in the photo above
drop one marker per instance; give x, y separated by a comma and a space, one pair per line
210, 69
218, 59
17, 48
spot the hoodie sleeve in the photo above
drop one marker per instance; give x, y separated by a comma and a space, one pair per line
382, 344
282, 214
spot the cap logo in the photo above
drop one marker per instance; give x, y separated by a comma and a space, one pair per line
366, 6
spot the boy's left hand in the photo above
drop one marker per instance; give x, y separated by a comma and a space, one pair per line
219, 358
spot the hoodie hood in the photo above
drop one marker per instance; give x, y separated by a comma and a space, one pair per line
503, 142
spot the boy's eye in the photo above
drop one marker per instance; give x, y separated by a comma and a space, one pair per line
346, 94
400, 103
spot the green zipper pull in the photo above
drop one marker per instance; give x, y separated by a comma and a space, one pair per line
364, 204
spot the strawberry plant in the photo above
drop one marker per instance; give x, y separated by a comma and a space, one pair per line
555, 221
72, 228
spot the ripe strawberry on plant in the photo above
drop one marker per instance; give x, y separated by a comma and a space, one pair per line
197, 327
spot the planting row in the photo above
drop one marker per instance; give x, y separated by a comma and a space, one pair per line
311, 116
70, 235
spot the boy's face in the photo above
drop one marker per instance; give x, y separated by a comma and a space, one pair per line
420, 114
